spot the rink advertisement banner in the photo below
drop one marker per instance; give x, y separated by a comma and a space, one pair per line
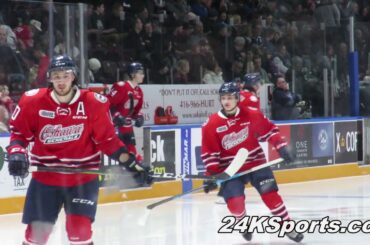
366, 141
323, 143
10, 186
186, 147
190, 103
197, 164
310, 144
348, 141
163, 151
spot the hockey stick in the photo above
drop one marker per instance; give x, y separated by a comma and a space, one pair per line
219, 182
112, 170
234, 166
115, 170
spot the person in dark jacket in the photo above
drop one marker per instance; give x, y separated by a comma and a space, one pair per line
284, 101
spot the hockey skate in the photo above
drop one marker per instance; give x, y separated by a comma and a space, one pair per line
220, 200
297, 237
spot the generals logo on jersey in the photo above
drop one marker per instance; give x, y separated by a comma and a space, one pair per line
63, 111
234, 138
56, 134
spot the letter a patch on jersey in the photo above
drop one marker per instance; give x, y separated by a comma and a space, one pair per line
80, 109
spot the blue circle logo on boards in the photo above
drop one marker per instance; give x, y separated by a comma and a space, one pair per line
323, 139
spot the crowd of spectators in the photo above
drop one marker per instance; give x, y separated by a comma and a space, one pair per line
194, 41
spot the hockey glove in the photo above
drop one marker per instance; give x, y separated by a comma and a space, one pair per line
18, 161
209, 185
285, 154
141, 173
120, 121
139, 121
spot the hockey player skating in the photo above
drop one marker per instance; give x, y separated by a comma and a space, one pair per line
126, 100
231, 129
250, 84
69, 128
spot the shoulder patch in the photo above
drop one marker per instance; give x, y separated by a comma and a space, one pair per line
32, 92
100, 97
254, 98
221, 129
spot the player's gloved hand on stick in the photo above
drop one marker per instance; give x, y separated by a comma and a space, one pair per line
18, 161
141, 172
139, 121
286, 155
209, 185
119, 120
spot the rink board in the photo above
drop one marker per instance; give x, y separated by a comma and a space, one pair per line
323, 149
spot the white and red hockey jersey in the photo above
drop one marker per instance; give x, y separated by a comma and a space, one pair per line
69, 135
249, 99
127, 101
223, 136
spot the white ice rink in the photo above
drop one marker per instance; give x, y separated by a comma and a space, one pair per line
195, 219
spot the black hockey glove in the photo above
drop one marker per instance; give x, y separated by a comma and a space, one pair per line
209, 185
141, 173
139, 121
18, 161
285, 154
120, 121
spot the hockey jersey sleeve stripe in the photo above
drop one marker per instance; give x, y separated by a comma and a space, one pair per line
55, 160
281, 145
212, 164
264, 137
210, 154
210, 159
68, 165
66, 159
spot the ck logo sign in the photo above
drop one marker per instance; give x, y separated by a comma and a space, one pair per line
157, 150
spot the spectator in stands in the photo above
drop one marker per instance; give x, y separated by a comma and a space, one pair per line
135, 41
6, 105
182, 72
94, 66
9, 60
165, 63
25, 32
257, 63
197, 61
96, 24
42, 58
60, 47
284, 101
118, 20
177, 9
10, 36
5, 99
213, 73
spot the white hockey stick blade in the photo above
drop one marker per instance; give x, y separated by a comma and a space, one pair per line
267, 164
238, 161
